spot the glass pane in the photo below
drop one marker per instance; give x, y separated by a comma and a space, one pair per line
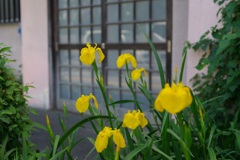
74, 35
142, 57
87, 76
63, 54
98, 95
62, 3
159, 9
96, 15
85, 35
85, 16
112, 0
127, 33
142, 10
75, 92
141, 98
113, 78
63, 18
64, 74
87, 90
97, 32
85, 2
139, 34
127, 96
96, 2
156, 85
64, 90
112, 58
75, 75
74, 17
74, 3
63, 35
112, 13
162, 56
113, 34
159, 32
75, 57
115, 95
127, 12
122, 75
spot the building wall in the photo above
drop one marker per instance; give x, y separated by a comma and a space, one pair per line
190, 20
180, 32
9, 36
35, 50
202, 16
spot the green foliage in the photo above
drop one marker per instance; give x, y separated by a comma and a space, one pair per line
222, 60
14, 119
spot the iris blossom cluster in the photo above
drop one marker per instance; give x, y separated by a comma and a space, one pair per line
88, 56
103, 136
173, 99
133, 119
82, 102
126, 58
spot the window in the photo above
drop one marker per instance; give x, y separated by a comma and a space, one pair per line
9, 11
115, 26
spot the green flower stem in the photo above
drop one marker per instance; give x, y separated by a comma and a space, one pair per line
180, 122
103, 90
117, 155
130, 86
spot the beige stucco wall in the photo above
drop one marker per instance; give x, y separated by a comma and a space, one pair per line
35, 51
9, 36
179, 33
201, 17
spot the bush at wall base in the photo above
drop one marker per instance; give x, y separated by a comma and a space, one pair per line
14, 119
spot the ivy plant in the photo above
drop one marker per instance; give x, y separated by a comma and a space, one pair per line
221, 83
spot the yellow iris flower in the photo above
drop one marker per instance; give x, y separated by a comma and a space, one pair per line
118, 139
103, 136
126, 58
173, 99
102, 139
82, 103
136, 73
88, 54
134, 119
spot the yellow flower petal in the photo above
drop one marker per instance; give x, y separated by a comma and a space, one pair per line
101, 142
118, 139
142, 119
173, 99
94, 100
131, 120
136, 73
87, 56
101, 55
82, 103
126, 58
102, 139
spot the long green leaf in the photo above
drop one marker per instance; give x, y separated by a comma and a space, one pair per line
134, 152
185, 149
3, 146
73, 128
187, 45
211, 135
161, 152
212, 154
160, 67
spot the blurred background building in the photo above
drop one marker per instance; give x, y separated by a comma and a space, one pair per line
47, 36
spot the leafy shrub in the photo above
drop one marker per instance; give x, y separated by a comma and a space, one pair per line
14, 120
222, 59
